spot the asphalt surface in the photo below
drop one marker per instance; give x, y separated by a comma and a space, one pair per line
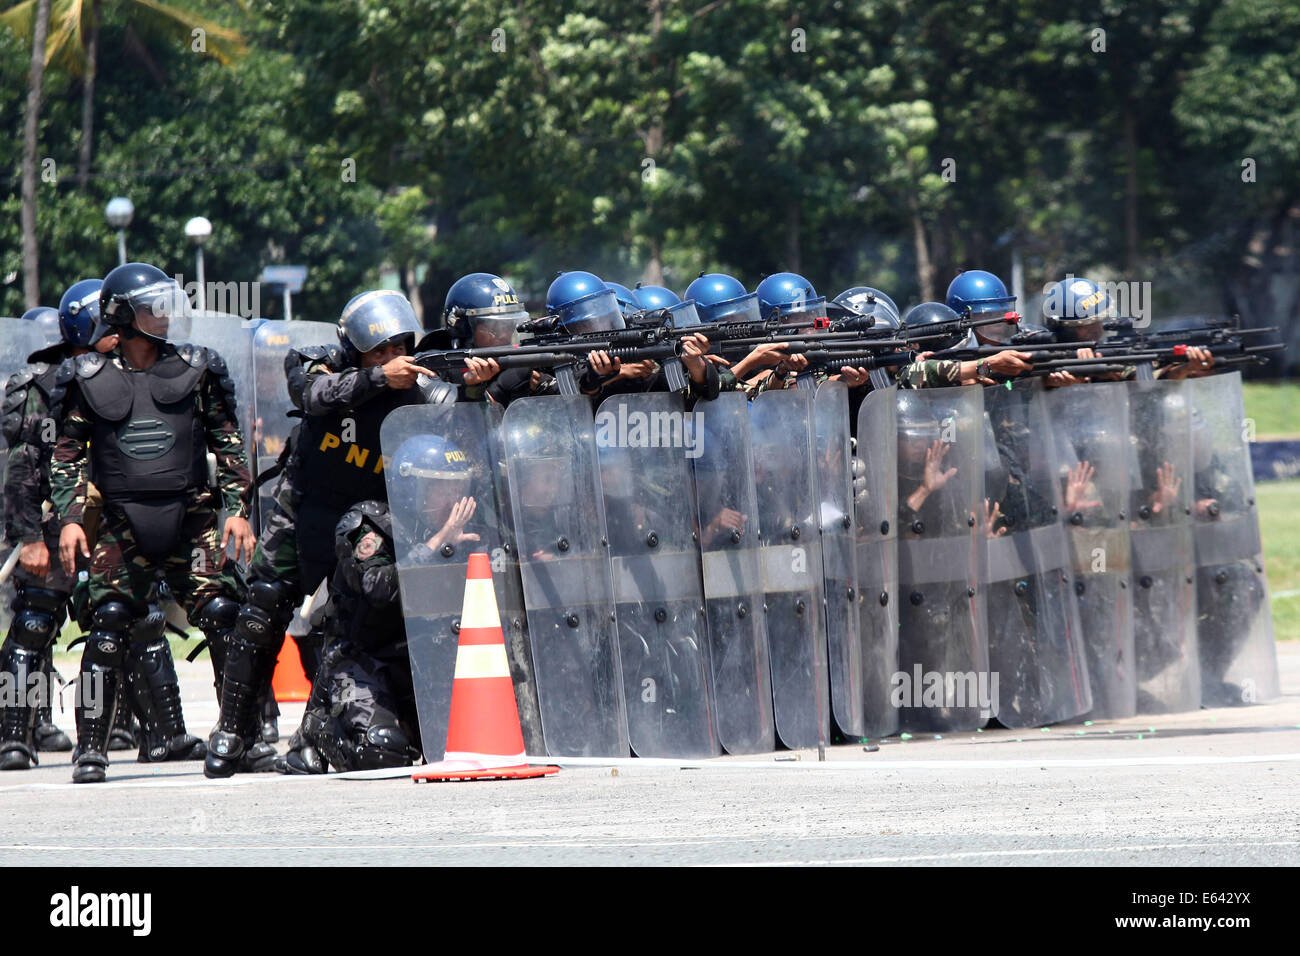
1215, 787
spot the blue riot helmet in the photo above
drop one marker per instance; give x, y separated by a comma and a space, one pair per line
933, 313
1076, 310
979, 294
79, 312
140, 299
375, 319
653, 297
584, 303
720, 298
626, 299
431, 473
793, 296
482, 310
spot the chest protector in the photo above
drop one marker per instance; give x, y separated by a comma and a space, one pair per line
148, 439
339, 458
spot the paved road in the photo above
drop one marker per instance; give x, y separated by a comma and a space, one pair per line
1207, 788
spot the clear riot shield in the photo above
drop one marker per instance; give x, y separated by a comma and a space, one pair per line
645, 443
1234, 622
559, 518
1090, 425
271, 424
781, 435
1160, 536
833, 473
875, 503
1035, 639
232, 338
943, 681
448, 499
733, 580
19, 338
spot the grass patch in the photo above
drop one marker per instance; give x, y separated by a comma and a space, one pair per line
1274, 407
1279, 525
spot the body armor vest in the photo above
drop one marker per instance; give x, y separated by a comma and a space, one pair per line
332, 469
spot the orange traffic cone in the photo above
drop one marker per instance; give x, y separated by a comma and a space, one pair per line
484, 739
289, 682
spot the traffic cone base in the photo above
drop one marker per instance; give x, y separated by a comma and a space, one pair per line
484, 739
288, 681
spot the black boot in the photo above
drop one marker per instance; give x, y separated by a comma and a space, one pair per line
17, 747
233, 746
125, 734
304, 755
270, 730
155, 689
97, 691
49, 737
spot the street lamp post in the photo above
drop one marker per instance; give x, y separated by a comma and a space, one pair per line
198, 229
119, 212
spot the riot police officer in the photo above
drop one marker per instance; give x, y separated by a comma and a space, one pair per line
344, 393
146, 417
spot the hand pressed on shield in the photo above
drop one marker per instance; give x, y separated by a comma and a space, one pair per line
241, 532
1076, 488
35, 558
72, 542
990, 520
453, 531
934, 476
1168, 484
1203, 506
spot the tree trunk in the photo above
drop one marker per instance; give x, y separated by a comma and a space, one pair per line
924, 266
1130, 191
31, 130
88, 99
793, 222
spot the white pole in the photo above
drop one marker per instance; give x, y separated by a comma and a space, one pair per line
203, 286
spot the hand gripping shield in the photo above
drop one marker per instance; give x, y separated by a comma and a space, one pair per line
448, 499
733, 579
1090, 426
1160, 534
943, 681
645, 444
1035, 639
559, 518
875, 505
781, 430
1234, 622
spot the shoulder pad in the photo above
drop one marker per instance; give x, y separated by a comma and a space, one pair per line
216, 362
88, 365
20, 378
331, 355
196, 356
66, 371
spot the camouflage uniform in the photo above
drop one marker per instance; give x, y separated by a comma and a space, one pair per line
930, 373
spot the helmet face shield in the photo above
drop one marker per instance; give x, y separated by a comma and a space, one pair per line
684, 315
743, 308
373, 319
162, 311
810, 311
598, 312
496, 330
999, 333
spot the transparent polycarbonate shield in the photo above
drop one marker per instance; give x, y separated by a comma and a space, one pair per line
1036, 643
1090, 424
1234, 622
18, 339
833, 474
1160, 535
943, 681
232, 339
645, 444
559, 518
733, 579
781, 436
448, 499
875, 504
272, 424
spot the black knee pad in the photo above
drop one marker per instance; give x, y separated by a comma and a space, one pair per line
219, 614
41, 599
150, 628
112, 616
104, 648
33, 629
383, 747
262, 620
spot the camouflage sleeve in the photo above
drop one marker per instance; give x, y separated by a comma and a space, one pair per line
710, 387
227, 443
930, 373
327, 391
727, 381
68, 481
24, 487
